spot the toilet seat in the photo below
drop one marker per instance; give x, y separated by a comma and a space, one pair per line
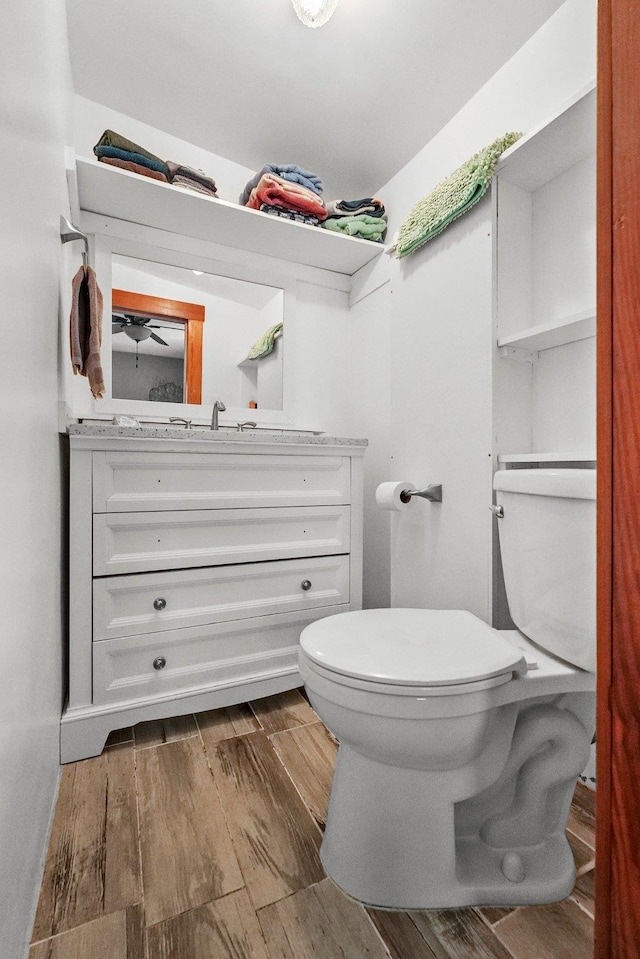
410, 651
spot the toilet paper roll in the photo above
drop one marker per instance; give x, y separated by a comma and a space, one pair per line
388, 494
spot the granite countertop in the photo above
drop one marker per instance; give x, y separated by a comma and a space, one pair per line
204, 435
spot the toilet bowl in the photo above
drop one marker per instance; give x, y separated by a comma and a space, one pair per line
459, 745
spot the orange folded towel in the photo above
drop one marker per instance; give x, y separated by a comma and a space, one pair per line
85, 328
134, 168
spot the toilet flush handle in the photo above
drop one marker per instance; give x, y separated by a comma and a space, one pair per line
498, 511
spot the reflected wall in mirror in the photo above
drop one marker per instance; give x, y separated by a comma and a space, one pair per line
156, 348
238, 314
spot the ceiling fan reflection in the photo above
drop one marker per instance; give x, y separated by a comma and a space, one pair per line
136, 327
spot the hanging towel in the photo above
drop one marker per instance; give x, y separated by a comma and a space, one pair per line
287, 171
266, 343
85, 328
134, 168
453, 197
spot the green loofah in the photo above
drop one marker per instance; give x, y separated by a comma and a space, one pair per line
453, 197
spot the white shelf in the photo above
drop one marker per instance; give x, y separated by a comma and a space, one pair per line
583, 456
568, 329
554, 147
109, 191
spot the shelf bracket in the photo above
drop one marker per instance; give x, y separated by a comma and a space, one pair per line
517, 353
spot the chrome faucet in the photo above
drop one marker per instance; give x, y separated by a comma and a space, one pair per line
218, 407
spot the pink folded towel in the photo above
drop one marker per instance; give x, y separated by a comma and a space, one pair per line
275, 191
85, 329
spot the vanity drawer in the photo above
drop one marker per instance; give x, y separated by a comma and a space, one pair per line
202, 657
153, 602
131, 481
140, 542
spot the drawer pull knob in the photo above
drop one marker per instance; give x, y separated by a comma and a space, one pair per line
159, 603
159, 663
306, 584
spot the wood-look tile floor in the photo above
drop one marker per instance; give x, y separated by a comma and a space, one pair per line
198, 838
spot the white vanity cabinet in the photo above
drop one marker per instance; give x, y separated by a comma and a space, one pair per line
194, 565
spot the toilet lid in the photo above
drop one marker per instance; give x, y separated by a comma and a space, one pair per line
411, 647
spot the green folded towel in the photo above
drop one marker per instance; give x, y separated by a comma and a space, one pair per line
364, 226
266, 343
453, 197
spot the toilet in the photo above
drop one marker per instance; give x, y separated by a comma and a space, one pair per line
459, 744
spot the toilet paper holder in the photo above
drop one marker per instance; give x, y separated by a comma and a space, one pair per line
432, 493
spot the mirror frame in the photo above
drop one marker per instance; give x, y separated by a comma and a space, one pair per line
178, 251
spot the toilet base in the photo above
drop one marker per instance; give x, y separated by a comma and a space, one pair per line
390, 843
550, 877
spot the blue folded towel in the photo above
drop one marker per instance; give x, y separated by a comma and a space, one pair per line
288, 171
117, 153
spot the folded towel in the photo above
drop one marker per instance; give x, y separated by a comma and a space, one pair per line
274, 191
111, 139
369, 205
287, 171
188, 184
289, 214
85, 328
264, 345
134, 168
453, 197
116, 153
189, 173
363, 226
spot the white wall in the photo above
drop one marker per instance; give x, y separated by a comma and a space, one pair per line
35, 79
437, 313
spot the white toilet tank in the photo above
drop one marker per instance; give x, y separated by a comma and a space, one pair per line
548, 546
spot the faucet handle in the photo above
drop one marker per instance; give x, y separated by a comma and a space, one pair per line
241, 426
180, 419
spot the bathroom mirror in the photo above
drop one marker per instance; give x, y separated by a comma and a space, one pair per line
178, 329
150, 360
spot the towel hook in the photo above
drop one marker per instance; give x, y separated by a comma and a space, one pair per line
432, 493
68, 233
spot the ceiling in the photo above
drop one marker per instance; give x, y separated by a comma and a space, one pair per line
352, 101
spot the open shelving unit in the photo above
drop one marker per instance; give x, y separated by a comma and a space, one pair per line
545, 255
544, 292
109, 191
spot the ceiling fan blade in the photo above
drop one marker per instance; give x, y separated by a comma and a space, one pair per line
158, 339
116, 328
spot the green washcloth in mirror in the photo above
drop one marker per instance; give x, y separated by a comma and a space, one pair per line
451, 198
266, 343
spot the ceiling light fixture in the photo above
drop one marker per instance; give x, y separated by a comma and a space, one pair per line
314, 13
